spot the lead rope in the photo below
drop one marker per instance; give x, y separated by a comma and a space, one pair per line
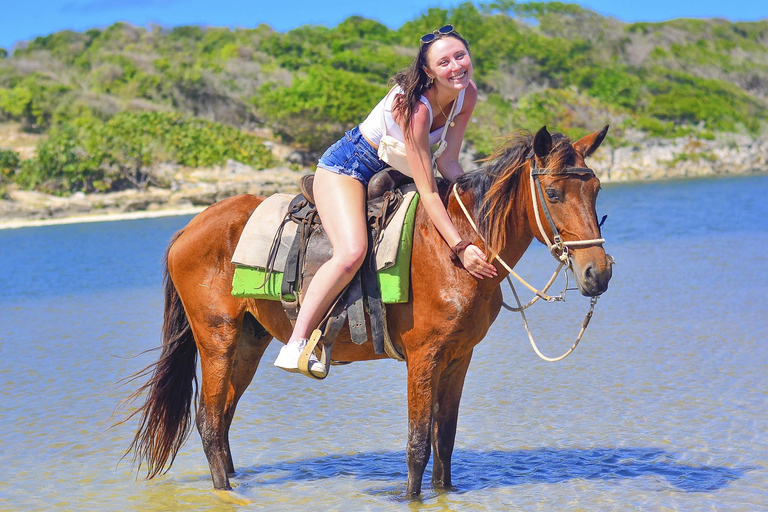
539, 294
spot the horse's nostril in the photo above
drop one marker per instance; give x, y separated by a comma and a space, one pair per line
589, 272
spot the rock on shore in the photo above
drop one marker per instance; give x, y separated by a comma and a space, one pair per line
659, 159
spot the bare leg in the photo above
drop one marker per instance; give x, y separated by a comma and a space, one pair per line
340, 202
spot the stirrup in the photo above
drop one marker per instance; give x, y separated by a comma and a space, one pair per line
325, 356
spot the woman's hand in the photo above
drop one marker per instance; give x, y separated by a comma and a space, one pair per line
475, 262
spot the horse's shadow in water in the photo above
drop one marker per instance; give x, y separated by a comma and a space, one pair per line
475, 470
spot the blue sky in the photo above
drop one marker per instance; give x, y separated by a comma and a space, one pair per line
25, 19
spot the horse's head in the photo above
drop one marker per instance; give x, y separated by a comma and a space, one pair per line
564, 192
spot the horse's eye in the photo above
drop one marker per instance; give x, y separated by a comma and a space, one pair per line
552, 194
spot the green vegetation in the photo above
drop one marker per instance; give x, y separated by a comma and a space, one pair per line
9, 162
115, 103
97, 156
318, 105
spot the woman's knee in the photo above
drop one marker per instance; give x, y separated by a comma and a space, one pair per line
351, 256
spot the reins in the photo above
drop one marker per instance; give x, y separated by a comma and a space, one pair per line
559, 250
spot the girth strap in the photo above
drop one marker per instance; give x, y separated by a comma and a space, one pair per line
356, 311
303, 213
289, 294
376, 309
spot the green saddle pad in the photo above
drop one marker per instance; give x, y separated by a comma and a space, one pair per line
248, 282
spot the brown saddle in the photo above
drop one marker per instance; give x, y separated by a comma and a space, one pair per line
311, 248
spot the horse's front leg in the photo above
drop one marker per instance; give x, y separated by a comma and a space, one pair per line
422, 380
446, 414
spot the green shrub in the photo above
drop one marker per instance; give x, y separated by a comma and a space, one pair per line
32, 101
319, 106
301, 47
94, 156
491, 121
61, 165
617, 87
691, 100
9, 162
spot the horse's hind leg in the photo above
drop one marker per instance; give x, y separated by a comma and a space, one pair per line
445, 419
254, 339
217, 323
217, 345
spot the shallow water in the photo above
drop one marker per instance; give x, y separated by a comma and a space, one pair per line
662, 407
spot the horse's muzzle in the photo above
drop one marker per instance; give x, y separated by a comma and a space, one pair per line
593, 274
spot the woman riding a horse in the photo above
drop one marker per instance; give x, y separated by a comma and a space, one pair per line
438, 81
451, 304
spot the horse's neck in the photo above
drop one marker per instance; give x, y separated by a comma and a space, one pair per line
519, 229
519, 234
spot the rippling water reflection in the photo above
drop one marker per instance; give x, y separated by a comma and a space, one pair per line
662, 407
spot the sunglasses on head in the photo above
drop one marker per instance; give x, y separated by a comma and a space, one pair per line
442, 31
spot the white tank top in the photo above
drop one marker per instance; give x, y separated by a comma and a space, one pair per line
373, 130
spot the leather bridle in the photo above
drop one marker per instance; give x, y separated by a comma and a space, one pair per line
557, 246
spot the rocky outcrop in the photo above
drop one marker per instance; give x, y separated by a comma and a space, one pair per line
658, 159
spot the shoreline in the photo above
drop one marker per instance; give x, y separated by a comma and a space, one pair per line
193, 190
98, 217
80, 216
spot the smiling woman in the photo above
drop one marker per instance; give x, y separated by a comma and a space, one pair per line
407, 122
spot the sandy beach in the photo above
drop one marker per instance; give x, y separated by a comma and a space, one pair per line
193, 191
98, 217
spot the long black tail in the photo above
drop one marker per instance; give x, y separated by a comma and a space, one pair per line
172, 389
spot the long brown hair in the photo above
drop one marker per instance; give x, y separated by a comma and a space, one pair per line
414, 82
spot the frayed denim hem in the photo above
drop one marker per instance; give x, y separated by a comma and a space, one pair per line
353, 156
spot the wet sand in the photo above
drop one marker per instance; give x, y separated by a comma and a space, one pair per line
98, 217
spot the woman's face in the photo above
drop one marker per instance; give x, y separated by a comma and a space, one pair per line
449, 63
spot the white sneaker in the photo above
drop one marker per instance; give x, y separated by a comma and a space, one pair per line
288, 358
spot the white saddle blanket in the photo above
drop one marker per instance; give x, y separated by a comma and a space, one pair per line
254, 245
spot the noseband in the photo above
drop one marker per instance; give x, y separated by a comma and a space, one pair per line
558, 247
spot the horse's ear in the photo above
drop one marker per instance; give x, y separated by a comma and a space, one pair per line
587, 145
542, 143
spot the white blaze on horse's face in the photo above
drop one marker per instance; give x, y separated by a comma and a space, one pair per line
449, 63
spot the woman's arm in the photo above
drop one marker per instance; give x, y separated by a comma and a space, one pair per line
420, 162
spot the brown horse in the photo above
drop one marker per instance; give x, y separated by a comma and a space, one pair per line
449, 311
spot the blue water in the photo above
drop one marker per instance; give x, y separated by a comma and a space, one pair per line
662, 407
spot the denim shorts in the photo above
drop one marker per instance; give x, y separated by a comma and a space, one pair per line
352, 156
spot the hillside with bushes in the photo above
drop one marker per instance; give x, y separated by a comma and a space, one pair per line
112, 104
